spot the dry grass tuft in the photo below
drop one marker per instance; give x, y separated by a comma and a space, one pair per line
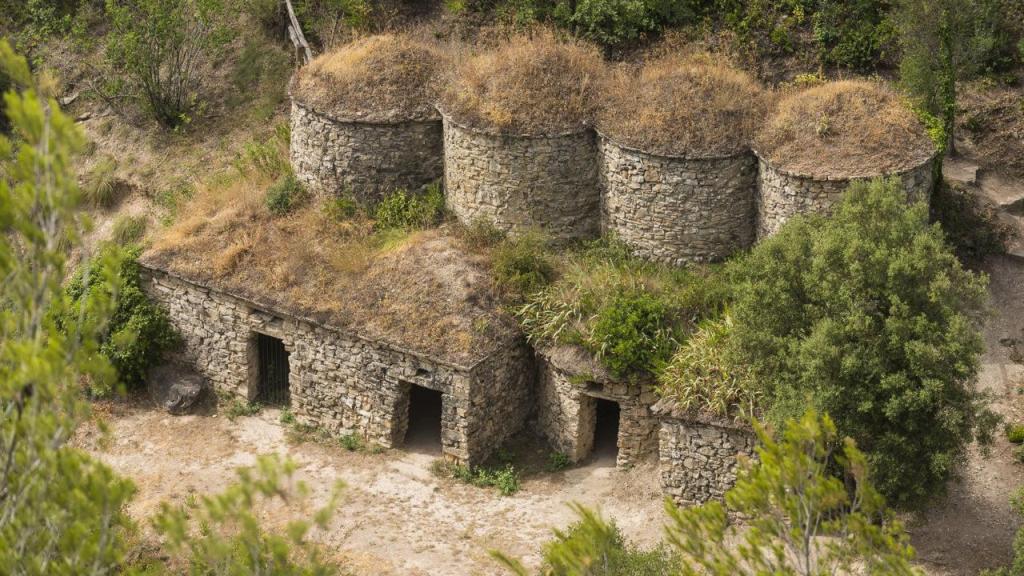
383, 78
526, 85
694, 106
419, 290
852, 128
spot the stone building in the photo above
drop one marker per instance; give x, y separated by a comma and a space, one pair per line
698, 455
821, 139
582, 410
363, 121
674, 209
519, 182
783, 194
365, 159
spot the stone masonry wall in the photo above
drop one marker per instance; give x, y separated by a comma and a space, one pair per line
677, 210
522, 182
698, 459
783, 195
566, 414
368, 160
341, 382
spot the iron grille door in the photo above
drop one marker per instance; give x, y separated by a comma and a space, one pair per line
273, 360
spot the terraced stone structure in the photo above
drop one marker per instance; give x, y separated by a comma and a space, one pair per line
367, 160
698, 455
519, 182
363, 118
674, 209
822, 139
519, 151
579, 405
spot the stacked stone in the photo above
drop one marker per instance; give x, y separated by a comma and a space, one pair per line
675, 209
522, 182
367, 160
783, 194
698, 455
342, 382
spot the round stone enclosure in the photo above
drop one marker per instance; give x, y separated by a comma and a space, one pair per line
521, 182
784, 194
674, 209
365, 159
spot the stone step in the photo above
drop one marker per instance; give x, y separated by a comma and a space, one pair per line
1006, 193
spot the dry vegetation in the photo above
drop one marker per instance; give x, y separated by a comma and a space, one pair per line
693, 106
378, 78
850, 128
526, 85
992, 124
419, 290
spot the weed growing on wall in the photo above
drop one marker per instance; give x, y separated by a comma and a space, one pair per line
404, 210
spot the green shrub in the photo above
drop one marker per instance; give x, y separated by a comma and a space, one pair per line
402, 210
505, 479
287, 417
613, 22
869, 317
632, 333
351, 442
1015, 433
285, 195
852, 34
237, 408
139, 333
268, 157
481, 234
128, 229
102, 188
521, 266
341, 209
558, 461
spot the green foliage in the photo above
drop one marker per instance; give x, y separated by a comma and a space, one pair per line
102, 188
632, 333
505, 479
1016, 567
329, 22
852, 33
352, 442
703, 375
1015, 433
60, 511
267, 157
593, 546
402, 210
558, 461
480, 234
613, 22
803, 518
869, 317
521, 266
157, 52
139, 332
238, 408
128, 229
341, 209
223, 535
285, 195
766, 26
287, 417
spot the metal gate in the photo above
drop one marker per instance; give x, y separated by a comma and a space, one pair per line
273, 371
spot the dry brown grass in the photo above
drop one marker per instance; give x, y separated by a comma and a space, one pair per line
526, 85
390, 77
418, 290
851, 128
694, 106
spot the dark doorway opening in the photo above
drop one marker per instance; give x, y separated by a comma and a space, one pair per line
272, 389
424, 431
606, 431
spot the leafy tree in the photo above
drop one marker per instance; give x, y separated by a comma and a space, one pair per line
157, 51
802, 518
139, 332
869, 317
595, 547
60, 511
944, 41
222, 535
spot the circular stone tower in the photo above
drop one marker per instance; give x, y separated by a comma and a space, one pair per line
821, 139
363, 119
678, 178
518, 151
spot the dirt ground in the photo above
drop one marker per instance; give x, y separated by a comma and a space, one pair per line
399, 518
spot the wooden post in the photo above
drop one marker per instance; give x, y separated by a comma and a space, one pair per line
295, 32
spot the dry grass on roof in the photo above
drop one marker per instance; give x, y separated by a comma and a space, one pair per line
421, 291
526, 85
852, 128
390, 77
694, 106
